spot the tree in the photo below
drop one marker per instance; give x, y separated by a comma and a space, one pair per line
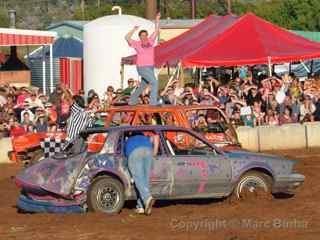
4, 19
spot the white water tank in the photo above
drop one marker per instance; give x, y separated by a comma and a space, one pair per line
105, 45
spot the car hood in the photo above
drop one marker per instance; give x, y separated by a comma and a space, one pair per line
53, 175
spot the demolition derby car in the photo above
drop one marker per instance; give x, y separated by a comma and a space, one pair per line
187, 166
217, 127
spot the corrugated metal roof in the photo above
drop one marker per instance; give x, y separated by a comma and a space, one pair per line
164, 23
62, 47
75, 24
35, 65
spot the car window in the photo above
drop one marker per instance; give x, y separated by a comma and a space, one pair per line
126, 135
184, 143
124, 118
207, 120
168, 119
157, 118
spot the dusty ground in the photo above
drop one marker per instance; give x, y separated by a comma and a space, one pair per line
295, 218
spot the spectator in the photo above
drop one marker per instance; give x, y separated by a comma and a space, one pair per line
27, 122
285, 117
306, 110
41, 124
317, 111
22, 96
131, 86
249, 120
15, 128
108, 96
26, 109
33, 101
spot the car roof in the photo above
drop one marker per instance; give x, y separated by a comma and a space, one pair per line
133, 128
161, 108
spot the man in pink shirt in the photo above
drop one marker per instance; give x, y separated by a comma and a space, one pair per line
145, 62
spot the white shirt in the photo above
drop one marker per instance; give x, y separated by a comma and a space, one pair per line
30, 114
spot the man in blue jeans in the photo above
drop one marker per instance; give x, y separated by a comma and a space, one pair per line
139, 150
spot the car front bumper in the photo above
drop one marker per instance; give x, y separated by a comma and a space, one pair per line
288, 184
27, 204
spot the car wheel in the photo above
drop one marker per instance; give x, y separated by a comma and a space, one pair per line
106, 194
252, 182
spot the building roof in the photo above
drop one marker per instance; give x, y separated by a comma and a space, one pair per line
164, 23
74, 24
21, 37
62, 47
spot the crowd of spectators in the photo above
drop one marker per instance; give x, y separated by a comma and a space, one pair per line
253, 102
245, 100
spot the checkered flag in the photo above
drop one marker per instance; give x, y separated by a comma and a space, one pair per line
51, 146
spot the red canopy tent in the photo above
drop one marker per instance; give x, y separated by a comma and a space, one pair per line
234, 41
21, 37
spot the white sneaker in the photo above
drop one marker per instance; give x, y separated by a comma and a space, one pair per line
148, 205
139, 211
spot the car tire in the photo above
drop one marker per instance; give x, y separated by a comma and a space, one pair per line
106, 194
252, 181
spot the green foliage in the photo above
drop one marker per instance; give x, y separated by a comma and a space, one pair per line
290, 14
38, 14
92, 11
4, 20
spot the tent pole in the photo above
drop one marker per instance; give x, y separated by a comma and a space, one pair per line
28, 55
290, 68
305, 67
312, 65
270, 66
51, 68
43, 71
182, 76
122, 75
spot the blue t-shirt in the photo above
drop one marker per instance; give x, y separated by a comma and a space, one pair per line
137, 141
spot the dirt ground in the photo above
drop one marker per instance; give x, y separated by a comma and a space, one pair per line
254, 218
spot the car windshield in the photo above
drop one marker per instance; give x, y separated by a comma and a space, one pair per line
207, 120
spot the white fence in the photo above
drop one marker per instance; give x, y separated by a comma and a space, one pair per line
289, 136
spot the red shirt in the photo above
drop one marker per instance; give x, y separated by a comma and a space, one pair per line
17, 131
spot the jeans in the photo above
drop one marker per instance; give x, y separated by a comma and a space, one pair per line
140, 162
147, 77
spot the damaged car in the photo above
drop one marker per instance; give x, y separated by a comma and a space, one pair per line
96, 177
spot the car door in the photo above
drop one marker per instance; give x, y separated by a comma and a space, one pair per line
199, 170
161, 175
